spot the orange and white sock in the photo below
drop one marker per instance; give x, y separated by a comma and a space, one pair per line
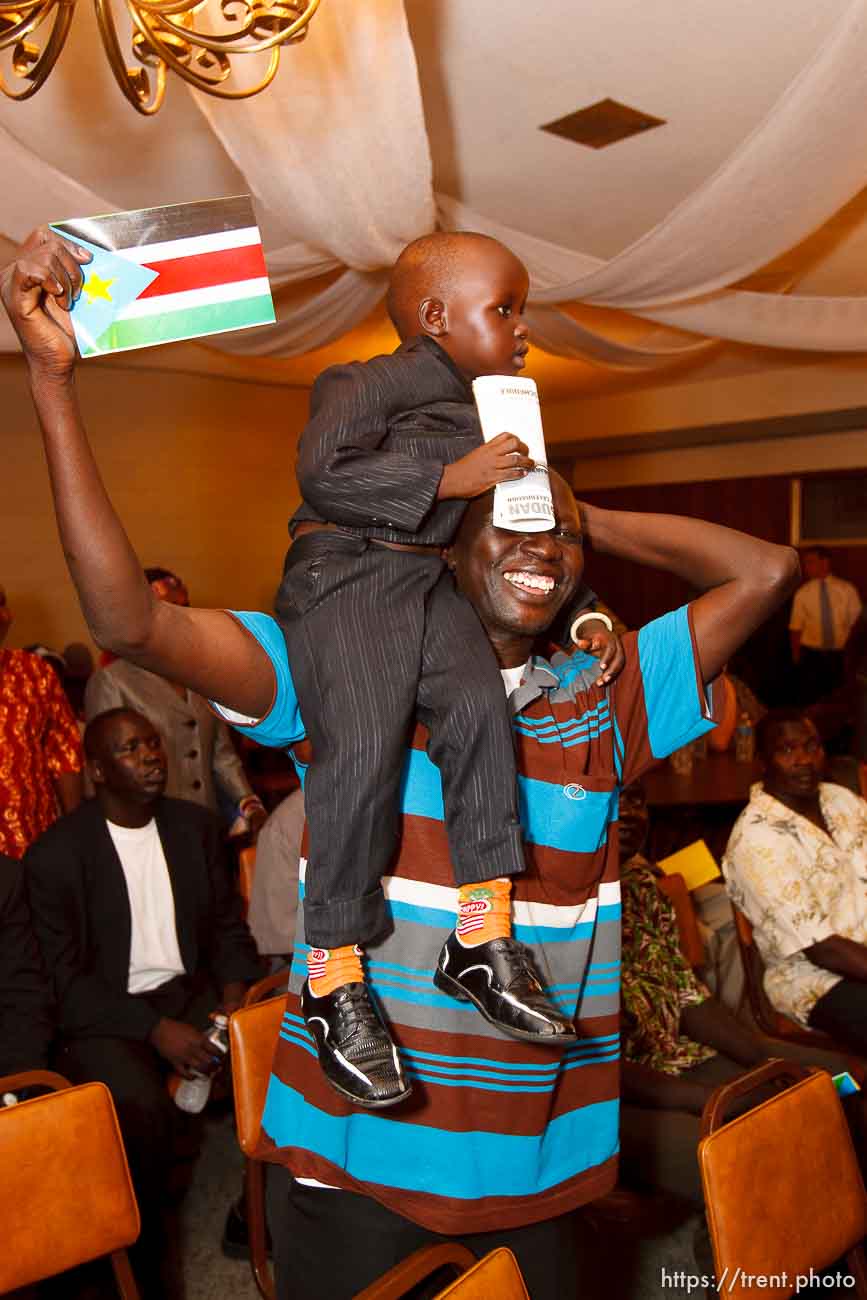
328, 968
484, 912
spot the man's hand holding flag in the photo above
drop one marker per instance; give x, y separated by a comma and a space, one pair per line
159, 275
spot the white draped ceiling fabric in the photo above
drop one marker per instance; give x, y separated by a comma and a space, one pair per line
352, 183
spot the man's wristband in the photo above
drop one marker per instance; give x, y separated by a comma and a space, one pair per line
585, 618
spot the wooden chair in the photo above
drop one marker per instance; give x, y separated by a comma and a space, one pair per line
769, 1021
253, 1033
496, 1275
782, 1188
246, 872
66, 1197
691, 945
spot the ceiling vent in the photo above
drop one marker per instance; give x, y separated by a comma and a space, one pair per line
602, 124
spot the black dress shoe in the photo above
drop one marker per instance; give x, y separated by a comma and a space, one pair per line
355, 1049
499, 979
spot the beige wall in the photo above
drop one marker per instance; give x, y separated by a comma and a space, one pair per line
200, 470
728, 460
785, 389
799, 415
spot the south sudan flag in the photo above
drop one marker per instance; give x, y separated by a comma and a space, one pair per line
159, 275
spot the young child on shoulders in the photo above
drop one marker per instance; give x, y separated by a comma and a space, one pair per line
377, 634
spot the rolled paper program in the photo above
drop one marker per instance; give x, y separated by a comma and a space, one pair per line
507, 404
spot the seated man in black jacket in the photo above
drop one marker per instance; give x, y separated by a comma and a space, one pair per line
140, 930
26, 1020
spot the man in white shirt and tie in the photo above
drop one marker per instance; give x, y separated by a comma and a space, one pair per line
824, 612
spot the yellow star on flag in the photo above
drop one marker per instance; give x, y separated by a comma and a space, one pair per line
95, 288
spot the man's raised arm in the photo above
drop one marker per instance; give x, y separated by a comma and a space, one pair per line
743, 578
205, 650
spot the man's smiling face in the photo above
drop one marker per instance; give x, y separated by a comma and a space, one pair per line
518, 582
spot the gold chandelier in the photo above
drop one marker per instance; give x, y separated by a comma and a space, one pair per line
165, 36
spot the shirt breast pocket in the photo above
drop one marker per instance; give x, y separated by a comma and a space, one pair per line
573, 817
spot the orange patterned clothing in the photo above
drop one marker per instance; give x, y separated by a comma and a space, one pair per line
39, 741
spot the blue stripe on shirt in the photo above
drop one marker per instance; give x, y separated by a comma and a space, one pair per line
671, 688
444, 919
408, 1156
599, 711
478, 1076
548, 815
282, 725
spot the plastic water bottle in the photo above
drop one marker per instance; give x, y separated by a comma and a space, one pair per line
192, 1094
745, 740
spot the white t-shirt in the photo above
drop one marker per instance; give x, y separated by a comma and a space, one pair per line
512, 677
154, 955
511, 681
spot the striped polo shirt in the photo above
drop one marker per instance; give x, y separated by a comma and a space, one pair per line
497, 1133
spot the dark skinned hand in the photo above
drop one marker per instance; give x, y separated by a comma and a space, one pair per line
256, 818
606, 647
184, 1047
38, 289
232, 998
499, 461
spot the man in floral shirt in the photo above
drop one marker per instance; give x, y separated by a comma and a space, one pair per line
678, 1041
796, 865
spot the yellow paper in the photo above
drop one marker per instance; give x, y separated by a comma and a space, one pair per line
695, 863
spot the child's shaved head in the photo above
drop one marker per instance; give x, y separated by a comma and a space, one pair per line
428, 268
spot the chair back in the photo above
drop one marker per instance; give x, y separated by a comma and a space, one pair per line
246, 873
675, 890
497, 1275
754, 973
65, 1196
782, 1188
253, 1033
770, 1021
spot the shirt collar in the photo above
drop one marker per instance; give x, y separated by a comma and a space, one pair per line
424, 343
769, 804
538, 678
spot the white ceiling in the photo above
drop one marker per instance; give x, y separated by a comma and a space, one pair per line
492, 72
